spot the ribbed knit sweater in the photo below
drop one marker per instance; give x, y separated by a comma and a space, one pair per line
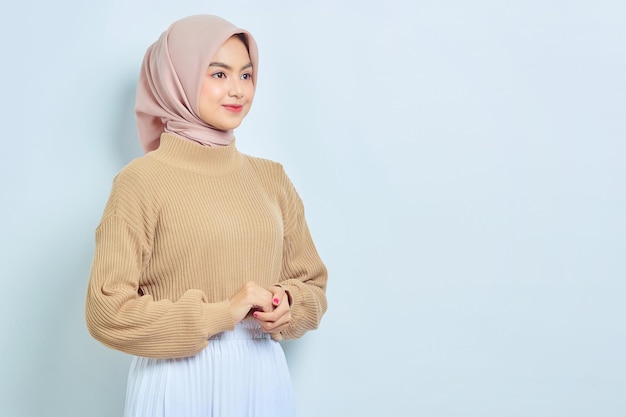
185, 227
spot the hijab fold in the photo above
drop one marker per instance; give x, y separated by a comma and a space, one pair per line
171, 77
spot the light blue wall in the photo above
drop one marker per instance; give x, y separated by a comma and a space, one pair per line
463, 168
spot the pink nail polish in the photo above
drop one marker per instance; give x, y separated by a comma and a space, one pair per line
256, 315
276, 300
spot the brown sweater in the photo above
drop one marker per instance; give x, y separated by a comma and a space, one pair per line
185, 227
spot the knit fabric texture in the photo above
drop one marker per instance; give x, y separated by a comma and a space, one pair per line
185, 227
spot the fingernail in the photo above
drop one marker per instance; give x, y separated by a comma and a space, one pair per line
276, 300
256, 315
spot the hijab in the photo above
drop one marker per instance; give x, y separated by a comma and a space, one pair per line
171, 77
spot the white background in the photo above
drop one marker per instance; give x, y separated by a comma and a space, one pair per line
463, 168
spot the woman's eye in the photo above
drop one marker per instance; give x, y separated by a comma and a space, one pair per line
219, 75
246, 76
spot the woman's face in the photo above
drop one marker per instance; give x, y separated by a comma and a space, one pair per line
228, 89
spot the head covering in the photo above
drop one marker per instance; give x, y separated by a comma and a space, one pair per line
171, 78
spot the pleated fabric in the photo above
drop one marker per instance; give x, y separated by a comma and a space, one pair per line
241, 373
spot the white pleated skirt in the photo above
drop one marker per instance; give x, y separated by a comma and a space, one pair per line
241, 373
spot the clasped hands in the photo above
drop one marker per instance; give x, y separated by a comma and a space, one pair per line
269, 306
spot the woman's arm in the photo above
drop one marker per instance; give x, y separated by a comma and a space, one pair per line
303, 275
119, 316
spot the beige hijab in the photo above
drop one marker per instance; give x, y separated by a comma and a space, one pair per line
171, 78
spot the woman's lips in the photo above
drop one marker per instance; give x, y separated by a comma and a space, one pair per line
235, 108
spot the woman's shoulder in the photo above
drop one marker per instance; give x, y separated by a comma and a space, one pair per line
135, 192
139, 169
275, 177
140, 177
266, 166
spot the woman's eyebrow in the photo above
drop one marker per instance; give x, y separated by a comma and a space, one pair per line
228, 67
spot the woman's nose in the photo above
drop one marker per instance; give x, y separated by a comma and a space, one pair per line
235, 89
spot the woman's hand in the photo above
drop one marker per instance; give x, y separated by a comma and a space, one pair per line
274, 321
251, 296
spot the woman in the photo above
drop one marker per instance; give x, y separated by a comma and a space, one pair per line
203, 258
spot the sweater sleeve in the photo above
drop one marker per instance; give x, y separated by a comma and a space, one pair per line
304, 275
120, 316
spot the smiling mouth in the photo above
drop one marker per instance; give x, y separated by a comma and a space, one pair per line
235, 108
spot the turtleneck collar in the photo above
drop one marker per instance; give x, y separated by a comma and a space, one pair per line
191, 156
